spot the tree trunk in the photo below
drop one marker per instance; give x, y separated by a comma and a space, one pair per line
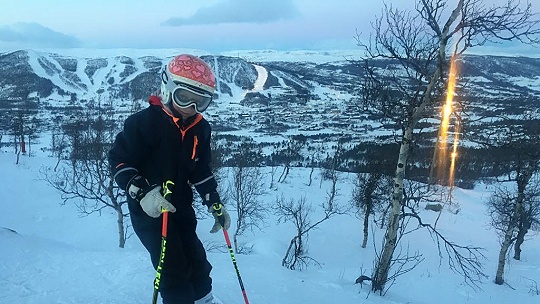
311, 176
502, 258
523, 178
57, 163
238, 189
523, 229
235, 241
369, 189
369, 209
274, 169
382, 268
290, 256
517, 247
284, 173
299, 250
121, 232
507, 241
366, 227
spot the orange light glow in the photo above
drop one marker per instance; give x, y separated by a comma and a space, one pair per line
444, 169
454, 156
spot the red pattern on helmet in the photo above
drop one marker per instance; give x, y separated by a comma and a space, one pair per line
194, 68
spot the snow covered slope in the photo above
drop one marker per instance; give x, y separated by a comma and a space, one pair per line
56, 256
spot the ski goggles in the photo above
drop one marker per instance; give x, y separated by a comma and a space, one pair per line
185, 96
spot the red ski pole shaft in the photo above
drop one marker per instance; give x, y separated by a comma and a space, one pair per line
226, 234
157, 280
166, 192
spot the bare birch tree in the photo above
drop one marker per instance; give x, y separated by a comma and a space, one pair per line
300, 213
530, 215
290, 154
512, 208
85, 178
370, 196
416, 43
246, 188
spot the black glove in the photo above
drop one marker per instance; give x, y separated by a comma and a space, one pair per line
153, 198
137, 187
221, 216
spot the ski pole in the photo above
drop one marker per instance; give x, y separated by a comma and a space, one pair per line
166, 194
226, 234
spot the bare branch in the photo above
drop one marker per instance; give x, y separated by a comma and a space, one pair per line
465, 260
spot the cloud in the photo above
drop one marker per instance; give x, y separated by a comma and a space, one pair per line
36, 35
239, 11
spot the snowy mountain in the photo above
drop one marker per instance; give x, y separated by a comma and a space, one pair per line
299, 90
305, 81
271, 95
57, 80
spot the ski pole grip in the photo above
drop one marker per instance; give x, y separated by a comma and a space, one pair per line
166, 189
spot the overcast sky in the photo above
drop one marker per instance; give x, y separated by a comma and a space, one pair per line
212, 25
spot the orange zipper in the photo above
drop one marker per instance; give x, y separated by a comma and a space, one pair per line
195, 143
183, 131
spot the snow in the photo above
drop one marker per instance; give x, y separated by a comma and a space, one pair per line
113, 52
262, 75
56, 256
295, 56
531, 83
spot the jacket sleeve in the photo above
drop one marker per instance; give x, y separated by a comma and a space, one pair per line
127, 152
202, 177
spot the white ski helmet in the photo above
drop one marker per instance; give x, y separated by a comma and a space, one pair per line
188, 81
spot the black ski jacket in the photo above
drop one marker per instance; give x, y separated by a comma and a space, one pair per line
161, 147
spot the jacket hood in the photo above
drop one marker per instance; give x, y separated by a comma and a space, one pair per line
155, 101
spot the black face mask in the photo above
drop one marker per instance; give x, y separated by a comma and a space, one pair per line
177, 114
173, 110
